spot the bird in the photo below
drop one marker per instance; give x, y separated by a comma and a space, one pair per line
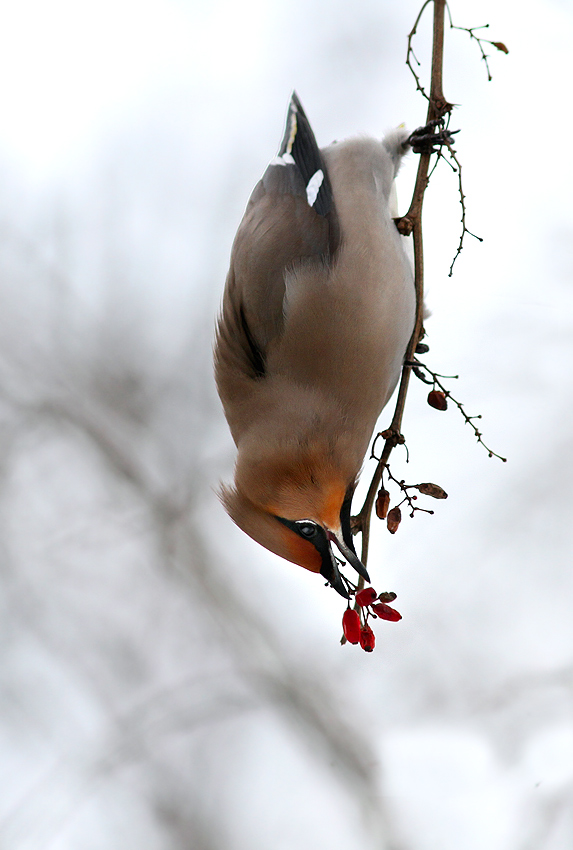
318, 309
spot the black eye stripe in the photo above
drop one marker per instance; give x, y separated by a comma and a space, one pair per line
306, 528
317, 537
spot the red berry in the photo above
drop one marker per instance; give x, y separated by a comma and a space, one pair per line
438, 400
351, 625
365, 596
367, 639
385, 612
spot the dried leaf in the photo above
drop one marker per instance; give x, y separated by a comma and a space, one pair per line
500, 46
433, 490
387, 596
421, 376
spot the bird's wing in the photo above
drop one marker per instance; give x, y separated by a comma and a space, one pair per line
290, 218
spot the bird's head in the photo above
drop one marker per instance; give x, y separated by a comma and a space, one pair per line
296, 503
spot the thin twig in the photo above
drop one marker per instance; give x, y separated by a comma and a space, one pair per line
465, 229
407, 498
410, 52
499, 45
438, 107
468, 419
411, 223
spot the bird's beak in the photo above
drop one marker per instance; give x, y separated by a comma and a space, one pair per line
346, 551
330, 572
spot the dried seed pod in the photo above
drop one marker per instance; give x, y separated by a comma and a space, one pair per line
385, 612
367, 639
351, 625
365, 596
438, 400
382, 503
433, 490
500, 46
422, 348
419, 373
387, 596
393, 521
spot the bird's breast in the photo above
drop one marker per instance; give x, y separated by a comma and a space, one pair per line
347, 326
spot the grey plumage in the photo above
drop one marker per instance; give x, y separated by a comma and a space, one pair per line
318, 309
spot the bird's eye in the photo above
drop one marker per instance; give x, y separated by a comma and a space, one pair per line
306, 528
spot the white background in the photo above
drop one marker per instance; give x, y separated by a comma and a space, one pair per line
165, 682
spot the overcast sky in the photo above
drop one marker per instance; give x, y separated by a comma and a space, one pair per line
131, 135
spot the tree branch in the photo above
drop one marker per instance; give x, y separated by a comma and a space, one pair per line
438, 107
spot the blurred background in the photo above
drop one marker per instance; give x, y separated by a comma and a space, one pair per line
164, 682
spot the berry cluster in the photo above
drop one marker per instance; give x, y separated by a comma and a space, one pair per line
355, 624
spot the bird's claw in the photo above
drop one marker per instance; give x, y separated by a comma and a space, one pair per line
431, 138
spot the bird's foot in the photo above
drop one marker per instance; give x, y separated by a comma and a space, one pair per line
431, 138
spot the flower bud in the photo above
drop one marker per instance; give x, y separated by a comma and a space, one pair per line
385, 612
351, 625
382, 503
438, 400
367, 639
365, 596
432, 490
393, 521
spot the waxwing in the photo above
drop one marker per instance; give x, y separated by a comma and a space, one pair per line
318, 309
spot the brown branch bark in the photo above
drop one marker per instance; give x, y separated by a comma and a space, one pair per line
438, 106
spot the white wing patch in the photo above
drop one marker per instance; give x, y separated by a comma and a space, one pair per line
285, 159
313, 186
